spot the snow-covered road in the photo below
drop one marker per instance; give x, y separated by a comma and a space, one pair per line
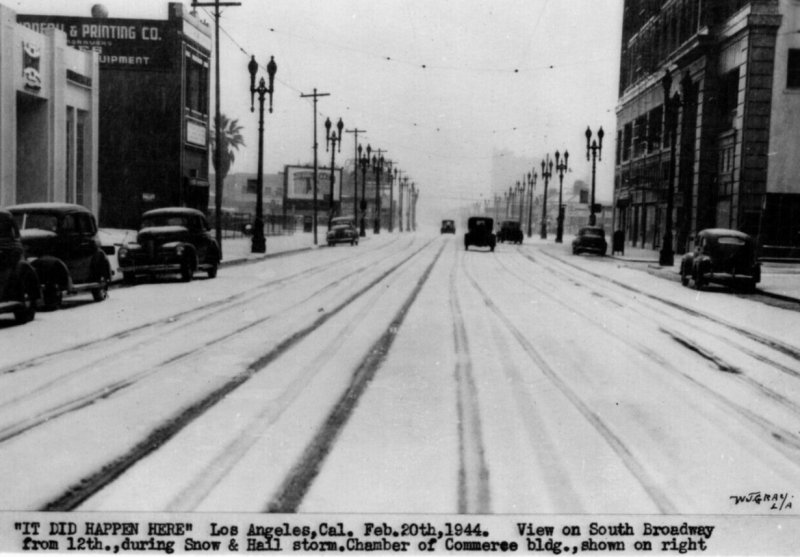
403, 375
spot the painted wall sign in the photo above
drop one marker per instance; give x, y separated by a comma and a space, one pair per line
121, 43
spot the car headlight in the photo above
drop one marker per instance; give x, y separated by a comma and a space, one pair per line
179, 250
122, 253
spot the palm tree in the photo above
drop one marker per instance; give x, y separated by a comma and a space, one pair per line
230, 138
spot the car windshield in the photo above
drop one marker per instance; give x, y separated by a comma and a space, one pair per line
165, 220
592, 232
341, 222
37, 221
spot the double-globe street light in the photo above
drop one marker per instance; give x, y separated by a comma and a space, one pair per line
596, 150
259, 242
547, 172
561, 168
531, 184
377, 168
332, 139
363, 162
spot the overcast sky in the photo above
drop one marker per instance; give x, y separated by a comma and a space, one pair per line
439, 84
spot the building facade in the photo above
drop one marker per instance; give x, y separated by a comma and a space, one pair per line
722, 148
48, 117
153, 109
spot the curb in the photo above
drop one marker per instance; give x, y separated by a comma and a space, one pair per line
243, 260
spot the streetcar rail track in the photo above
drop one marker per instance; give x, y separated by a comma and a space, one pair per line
95, 481
659, 497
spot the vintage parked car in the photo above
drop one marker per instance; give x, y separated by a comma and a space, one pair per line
171, 240
510, 231
448, 227
342, 229
61, 243
723, 256
19, 286
591, 239
479, 233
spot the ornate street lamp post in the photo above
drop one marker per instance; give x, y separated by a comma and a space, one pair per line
547, 171
596, 150
363, 160
531, 184
521, 200
561, 168
392, 177
377, 169
332, 139
667, 255
259, 242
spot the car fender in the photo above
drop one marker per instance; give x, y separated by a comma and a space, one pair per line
51, 269
702, 264
101, 267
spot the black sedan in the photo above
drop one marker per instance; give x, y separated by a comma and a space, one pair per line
724, 256
590, 239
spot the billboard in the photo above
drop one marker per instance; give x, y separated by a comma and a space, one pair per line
300, 184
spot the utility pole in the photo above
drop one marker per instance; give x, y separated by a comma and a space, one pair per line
218, 134
355, 131
315, 95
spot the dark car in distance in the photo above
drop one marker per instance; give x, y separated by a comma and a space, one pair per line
480, 233
448, 227
342, 230
19, 286
171, 240
61, 243
510, 231
724, 256
590, 239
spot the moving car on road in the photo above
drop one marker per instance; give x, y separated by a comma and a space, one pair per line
723, 256
342, 229
510, 231
591, 239
448, 227
171, 240
61, 243
479, 233
19, 285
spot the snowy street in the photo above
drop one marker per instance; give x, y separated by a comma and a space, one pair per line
404, 375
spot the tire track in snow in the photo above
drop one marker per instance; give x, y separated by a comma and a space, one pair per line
694, 346
473, 473
106, 474
290, 494
781, 438
108, 390
169, 321
657, 495
778, 346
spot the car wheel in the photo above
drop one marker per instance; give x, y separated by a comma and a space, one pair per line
28, 300
101, 293
212, 271
684, 278
53, 295
186, 270
699, 282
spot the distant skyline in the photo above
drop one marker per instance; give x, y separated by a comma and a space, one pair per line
441, 85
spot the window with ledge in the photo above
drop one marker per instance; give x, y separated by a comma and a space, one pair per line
793, 69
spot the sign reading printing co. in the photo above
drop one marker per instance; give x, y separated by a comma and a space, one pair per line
121, 43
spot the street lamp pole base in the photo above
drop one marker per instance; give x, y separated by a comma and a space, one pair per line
258, 244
